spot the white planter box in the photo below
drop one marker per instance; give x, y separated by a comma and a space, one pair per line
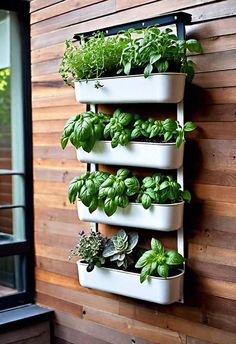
157, 88
156, 155
156, 289
162, 217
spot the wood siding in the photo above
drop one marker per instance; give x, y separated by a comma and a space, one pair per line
88, 316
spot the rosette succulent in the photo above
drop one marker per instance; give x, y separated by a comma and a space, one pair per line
90, 248
119, 248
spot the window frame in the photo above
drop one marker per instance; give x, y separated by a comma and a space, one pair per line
24, 247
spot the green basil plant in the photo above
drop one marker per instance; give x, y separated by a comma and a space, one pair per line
108, 191
85, 129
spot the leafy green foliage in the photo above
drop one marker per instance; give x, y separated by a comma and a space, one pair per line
118, 128
134, 51
94, 57
5, 106
168, 130
108, 191
86, 188
161, 189
90, 249
119, 248
157, 51
157, 261
85, 129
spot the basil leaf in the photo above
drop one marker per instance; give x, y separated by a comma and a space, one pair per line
189, 126
174, 258
146, 201
145, 273
157, 246
122, 173
109, 207
186, 195
163, 270
147, 71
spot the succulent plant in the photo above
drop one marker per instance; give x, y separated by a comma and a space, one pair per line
90, 249
119, 248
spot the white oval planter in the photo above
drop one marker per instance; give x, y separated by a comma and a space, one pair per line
157, 88
156, 155
162, 217
156, 289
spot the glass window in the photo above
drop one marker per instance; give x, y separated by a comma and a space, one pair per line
16, 199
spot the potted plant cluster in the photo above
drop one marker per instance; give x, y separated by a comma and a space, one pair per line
147, 65
156, 202
119, 266
95, 135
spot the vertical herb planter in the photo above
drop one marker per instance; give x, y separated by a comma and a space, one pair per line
164, 156
157, 88
162, 217
157, 289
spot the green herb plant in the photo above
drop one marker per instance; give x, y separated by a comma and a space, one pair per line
108, 191
90, 248
158, 261
118, 128
131, 52
167, 130
115, 191
86, 188
84, 130
161, 189
92, 58
158, 51
118, 249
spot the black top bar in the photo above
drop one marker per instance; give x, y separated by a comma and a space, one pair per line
168, 19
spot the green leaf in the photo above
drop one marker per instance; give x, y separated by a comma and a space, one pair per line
148, 182
135, 133
64, 141
127, 68
145, 273
189, 126
146, 201
164, 185
169, 125
93, 205
174, 258
168, 136
194, 46
147, 71
157, 246
163, 270
123, 201
109, 207
154, 58
162, 66
119, 187
179, 140
123, 173
125, 118
151, 193
186, 195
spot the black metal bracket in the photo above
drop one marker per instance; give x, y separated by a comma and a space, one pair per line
180, 19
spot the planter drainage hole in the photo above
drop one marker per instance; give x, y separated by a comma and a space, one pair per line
133, 341
84, 312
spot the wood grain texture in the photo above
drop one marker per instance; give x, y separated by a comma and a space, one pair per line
93, 317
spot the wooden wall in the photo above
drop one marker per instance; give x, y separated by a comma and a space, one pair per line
88, 316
